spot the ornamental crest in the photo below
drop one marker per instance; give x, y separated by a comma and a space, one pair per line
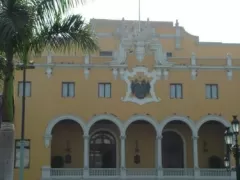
140, 86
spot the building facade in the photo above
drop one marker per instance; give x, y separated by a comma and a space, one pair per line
152, 103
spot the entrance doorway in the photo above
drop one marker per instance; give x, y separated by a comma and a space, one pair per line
172, 150
102, 150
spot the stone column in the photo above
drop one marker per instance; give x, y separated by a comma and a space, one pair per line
7, 148
86, 156
123, 155
159, 155
195, 156
195, 151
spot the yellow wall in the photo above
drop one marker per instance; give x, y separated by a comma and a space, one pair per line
46, 102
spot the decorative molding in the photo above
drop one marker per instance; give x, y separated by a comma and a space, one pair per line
101, 117
184, 119
122, 137
208, 118
47, 140
141, 117
159, 137
53, 122
195, 138
154, 78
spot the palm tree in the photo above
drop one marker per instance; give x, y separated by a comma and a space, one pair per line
28, 27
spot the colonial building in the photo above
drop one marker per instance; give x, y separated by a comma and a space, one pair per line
152, 103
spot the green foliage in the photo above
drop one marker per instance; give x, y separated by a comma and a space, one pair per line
31, 26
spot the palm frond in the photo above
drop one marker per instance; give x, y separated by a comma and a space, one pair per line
66, 34
14, 16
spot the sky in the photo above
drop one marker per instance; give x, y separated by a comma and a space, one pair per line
211, 20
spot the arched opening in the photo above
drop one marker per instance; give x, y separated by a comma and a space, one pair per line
211, 154
102, 150
172, 150
176, 145
140, 145
67, 145
104, 145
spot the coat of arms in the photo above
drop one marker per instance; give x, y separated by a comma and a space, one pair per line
140, 86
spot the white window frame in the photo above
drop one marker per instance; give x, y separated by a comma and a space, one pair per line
68, 93
104, 90
211, 91
28, 88
176, 91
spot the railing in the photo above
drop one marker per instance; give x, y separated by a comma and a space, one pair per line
190, 173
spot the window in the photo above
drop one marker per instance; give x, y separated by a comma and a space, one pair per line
106, 53
104, 90
27, 89
169, 54
211, 91
176, 91
68, 89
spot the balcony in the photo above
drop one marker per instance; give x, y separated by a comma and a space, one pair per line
129, 173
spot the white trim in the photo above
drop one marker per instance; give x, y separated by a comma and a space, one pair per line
53, 122
184, 119
116, 140
139, 117
208, 118
101, 117
184, 144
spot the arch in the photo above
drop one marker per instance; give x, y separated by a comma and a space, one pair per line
140, 117
184, 119
101, 117
184, 144
116, 139
208, 118
53, 122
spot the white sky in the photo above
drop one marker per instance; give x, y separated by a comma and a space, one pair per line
211, 20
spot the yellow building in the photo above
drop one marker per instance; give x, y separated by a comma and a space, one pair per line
153, 103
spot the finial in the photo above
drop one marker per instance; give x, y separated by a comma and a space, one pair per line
177, 23
123, 19
147, 19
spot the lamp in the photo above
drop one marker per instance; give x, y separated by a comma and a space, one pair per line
230, 135
226, 161
235, 125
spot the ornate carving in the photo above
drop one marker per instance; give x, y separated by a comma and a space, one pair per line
120, 56
193, 59
47, 140
86, 59
122, 137
86, 73
229, 60
115, 73
49, 69
194, 74
159, 56
141, 90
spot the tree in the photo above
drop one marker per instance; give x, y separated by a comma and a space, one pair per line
28, 26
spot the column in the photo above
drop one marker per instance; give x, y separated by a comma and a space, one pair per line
123, 155
86, 156
195, 156
159, 155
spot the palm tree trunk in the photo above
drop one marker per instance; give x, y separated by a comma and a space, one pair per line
7, 131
